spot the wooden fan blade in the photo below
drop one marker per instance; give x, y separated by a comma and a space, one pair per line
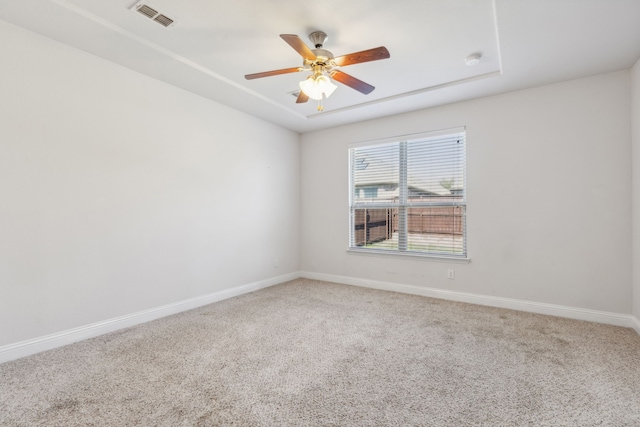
365, 56
352, 82
300, 47
302, 98
272, 73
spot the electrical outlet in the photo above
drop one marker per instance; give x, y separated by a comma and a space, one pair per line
451, 274
276, 263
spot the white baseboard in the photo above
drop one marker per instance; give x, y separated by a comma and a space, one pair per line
608, 318
636, 324
59, 339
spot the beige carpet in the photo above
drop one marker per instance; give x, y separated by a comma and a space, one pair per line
308, 353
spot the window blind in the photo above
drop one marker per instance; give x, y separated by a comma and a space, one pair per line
409, 196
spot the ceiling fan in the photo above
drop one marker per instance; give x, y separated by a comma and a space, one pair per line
324, 67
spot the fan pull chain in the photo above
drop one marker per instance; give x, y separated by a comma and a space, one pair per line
320, 106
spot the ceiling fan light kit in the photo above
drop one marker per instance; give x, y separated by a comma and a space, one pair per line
324, 67
317, 85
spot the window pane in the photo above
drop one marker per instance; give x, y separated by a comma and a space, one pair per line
437, 230
373, 228
375, 173
435, 169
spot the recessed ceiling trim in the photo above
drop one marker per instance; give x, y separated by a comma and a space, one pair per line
497, 30
498, 72
406, 94
107, 24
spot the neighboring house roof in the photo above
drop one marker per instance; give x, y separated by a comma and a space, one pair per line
383, 174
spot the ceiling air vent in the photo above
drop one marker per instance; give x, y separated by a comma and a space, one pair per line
153, 14
163, 20
146, 11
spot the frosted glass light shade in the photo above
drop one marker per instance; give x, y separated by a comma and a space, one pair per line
316, 85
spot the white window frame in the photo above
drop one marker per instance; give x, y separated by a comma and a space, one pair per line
403, 202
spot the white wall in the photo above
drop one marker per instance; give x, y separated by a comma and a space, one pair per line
549, 211
119, 193
635, 123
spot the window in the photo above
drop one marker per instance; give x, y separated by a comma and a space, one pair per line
408, 195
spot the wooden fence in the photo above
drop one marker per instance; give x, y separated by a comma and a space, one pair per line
376, 225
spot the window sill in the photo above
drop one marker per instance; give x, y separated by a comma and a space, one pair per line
426, 257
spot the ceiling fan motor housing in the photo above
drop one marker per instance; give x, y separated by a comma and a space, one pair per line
322, 55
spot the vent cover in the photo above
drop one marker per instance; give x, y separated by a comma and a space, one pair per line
147, 11
153, 14
163, 20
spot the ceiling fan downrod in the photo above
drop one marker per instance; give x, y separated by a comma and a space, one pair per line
318, 38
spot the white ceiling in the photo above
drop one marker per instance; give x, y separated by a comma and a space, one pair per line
214, 43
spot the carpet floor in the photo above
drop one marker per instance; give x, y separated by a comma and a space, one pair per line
310, 353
